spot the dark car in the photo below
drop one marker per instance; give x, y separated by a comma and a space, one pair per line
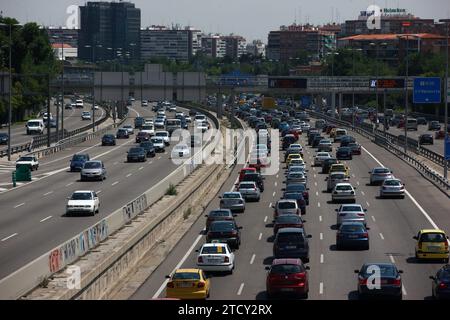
355, 148
312, 136
315, 142
344, 153
298, 187
288, 140
287, 276
260, 125
287, 221
297, 196
434, 125
291, 243
218, 215
275, 123
421, 120
352, 234
142, 136
426, 138
122, 133
390, 280
78, 161
149, 148
225, 231
136, 154
139, 122
257, 178
346, 140
108, 140
326, 165
440, 287
4, 138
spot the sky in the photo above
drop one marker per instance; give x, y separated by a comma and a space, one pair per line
252, 19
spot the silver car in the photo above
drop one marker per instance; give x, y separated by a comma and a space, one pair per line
335, 178
296, 169
379, 174
320, 157
296, 177
249, 190
392, 188
351, 213
325, 145
93, 170
129, 128
286, 206
343, 192
233, 201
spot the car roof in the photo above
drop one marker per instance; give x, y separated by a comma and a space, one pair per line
432, 231
99, 161
286, 261
219, 244
82, 191
291, 230
344, 184
232, 192
286, 200
192, 270
350, 223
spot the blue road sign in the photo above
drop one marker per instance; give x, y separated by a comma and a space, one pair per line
447, 148
427, 90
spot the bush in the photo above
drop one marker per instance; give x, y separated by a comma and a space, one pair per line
171, 191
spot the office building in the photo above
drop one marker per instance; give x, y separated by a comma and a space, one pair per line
256, 48
235, 46
213, 46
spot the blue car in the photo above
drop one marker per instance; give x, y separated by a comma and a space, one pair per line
352, 234
283, 126
78, 161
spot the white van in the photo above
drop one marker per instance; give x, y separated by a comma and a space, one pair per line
79, 103
411, 124
35, 126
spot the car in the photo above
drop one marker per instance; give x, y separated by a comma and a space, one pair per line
164, 135
297, 163
431, 244
93, 170
255, 177
293, 156
352, 234
440, 286
296, 177
244, 171
31, 161
130, 128
249, 190
108, 140
316, 140
297, 196
287, 221
355, 148
392, 188
351, 213
202, 126
35, 126
287, 276
298, 187
325, 145
4, 138
426, 138
84, 201
233, 201
291, 243
172, 108
52, 123
340, 167
335, 178
346, 140
285, 206
224, 232
144, 103
78, 161
69, 106
149, 128
434, 126
122, 133
86, 115
181, 151
160, 123
142, 136
343, 192
158, 143
215, 257
390, 281
199, 118
218, 215
320, 157
421, 120
343, 153
379, 174
188, 284
45, 116
137, 154
327, 163
339, 134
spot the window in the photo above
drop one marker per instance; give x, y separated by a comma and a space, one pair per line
186, 276
433, 237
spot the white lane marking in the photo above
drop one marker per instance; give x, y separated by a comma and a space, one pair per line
408, 194
270, 205
314, 168
321, 236
260, 237
115, 183
159, 158
265, 219
368, 204
241, 287
276, 184
252, 259
391, 258
353, 175
404, 290
278, 176
129, 175
150, 162
362, 192
19, 205
141, 168
318, 204
315, 183
321, 288
317, 193
45, 219
163, 286
69, 184
46, 194
320, 218
9, 237
315, 175
273, 195
99, 191
373, 218
381, 236
357, 182
321, 258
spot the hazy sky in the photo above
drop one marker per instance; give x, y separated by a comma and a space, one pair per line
252, 19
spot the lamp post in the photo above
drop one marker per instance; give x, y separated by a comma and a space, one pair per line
446, 101
10, 90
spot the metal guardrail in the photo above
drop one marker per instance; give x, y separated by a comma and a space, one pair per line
16, 149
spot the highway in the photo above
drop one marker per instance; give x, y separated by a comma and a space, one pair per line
33, 221
392, 223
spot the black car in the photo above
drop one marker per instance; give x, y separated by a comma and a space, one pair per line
255, 177
297, 196
421, 120
312, 136
344, 153
291, 243
225, 231
346, 140
287, 221
440, 286
352, 234
149, 148
218, 215
78, 161
298, 187
122, 134
4, 138
315, 142
288, 140
136, 154
108, 140
142, 136
139, 122
326, 165
390, 280
426, 138
434, 125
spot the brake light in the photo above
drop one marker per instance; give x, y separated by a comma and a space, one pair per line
200, 260
226, 259
442, 285
170, 285
446, 245
397, 282
365, 235
201, 285
360, 214
362, 281
299, 276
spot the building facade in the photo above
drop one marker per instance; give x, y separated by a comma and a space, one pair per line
64, 51
256, 48
235, 46
213, 46
59, 34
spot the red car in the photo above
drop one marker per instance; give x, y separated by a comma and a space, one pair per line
287, 276
439, 134
244, 171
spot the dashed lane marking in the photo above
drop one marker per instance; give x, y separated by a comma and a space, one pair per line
9, 237
241, 287
252, 259
45, 219
19, 205
260, 237
381, 236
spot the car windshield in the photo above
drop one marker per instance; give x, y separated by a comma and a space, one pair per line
295, 175
33, 123
385, 270
180, 147
433, 237
351, 208
392, 183
79, 158
219, 213
162, 134
288, 219
339, 176
92, 165
232, 196
352, 228
157, 140
247, 186
287, 237
25, 159
343, 188
186, 276
214, 250
287, 205
141, 134
222, 226
81, 196
381, 170
286, 269
344, 150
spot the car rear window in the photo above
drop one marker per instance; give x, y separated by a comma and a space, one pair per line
385, 270
286, 205
392, 183
222, 226
186, 276
219, 213
286, 268
288, 219
92, 165
290, 237
433, 237
381, 170
247, 186
352, 228
351, 208
231, 195
339, 176
343, 188
79, 158
214, 250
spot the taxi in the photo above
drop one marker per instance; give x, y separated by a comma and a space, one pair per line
292, 157
340, 167
188, 284
432, 244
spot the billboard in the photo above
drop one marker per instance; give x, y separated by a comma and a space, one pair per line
287, 83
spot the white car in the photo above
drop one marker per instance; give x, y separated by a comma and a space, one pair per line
343, 192
45, 116
84, 201
179, 114
86, 115
172, 108
188, 119
148, 121
161, 113
163, 135
96, 107
320, 157
200, 118
144, 103
215, 257
392, 188
129, 128
160, 123
149, 128
159, 144
202, 126
30, 161
181, 151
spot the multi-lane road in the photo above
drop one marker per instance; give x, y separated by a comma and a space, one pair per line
392, 223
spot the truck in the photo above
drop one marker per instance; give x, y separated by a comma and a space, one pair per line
35, 126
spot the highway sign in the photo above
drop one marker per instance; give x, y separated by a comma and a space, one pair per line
387, 83
447, 147
279, 82
427, 90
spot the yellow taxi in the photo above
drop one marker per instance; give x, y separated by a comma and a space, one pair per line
340, 167
333, 132
293, 156
432, 244
188, 284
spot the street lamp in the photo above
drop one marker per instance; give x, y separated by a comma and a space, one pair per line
446, 102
